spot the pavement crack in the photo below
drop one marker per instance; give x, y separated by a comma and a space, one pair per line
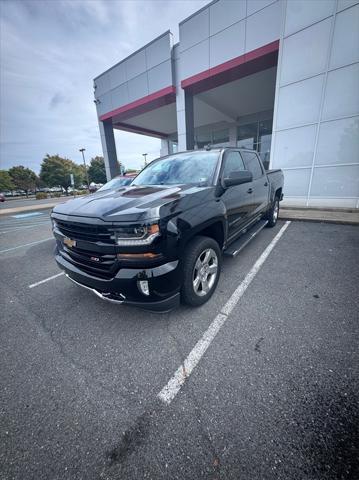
176, 345
257, 347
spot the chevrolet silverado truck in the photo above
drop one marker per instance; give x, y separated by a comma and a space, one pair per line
161, 239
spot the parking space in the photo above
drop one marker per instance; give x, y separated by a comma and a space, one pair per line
273, 395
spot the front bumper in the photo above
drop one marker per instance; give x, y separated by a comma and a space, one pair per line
164, 284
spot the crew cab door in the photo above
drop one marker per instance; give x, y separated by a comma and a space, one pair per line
260, 180
238, 199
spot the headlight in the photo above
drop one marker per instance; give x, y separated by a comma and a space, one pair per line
54, 224
136, 235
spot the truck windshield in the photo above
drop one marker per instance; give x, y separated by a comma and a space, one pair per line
115, 183
184, 168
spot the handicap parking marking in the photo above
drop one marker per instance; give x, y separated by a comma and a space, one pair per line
26, 215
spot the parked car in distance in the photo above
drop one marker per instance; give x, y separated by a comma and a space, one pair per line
162, 238
2, 197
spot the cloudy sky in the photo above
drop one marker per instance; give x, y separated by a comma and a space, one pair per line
50, 51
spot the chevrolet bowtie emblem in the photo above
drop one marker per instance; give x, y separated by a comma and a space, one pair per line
69, 242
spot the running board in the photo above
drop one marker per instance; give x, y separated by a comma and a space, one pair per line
234, 249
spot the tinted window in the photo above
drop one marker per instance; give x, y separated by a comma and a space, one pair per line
183, 168
252, 163
233, 163
115, 183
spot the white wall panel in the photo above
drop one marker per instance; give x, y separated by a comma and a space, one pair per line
105, 104
224, 13
117, 75
302, 13
159, 77
227, 44
296, 182
336, 182
194, 30
263, 27
255, 5
346, 3
295, 147
345, 48
195, 59
137, 87
158, 51
338, 142
305, 53
299, 103
136, 64
119, 96
342, 92
102, 84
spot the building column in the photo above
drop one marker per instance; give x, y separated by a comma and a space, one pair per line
109, 149
233, 135
189, 116
165, 148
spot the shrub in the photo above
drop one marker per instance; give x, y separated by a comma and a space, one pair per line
81, 192
41, 195
56, 194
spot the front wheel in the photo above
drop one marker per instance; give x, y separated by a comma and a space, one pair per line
201, 270
273, 213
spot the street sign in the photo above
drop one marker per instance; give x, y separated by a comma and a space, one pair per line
72, 179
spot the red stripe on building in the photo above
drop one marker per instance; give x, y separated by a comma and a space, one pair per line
145, 104
252, 62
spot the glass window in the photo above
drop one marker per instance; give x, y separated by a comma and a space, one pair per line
233, 163
256, 136
222, 136
252, 163
115, 183
190, 168
247, 135
203, 139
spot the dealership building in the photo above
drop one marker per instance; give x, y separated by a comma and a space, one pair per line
279, 76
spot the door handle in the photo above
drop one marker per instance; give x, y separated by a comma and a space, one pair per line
250, 190
266, 184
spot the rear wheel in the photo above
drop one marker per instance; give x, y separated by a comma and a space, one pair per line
273, 213
201, 270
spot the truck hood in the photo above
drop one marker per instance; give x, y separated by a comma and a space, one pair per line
133, 204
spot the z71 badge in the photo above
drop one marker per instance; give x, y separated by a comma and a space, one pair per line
69, 242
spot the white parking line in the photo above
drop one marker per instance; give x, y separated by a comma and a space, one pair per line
169, 391
26, 245
25, 215
45, 280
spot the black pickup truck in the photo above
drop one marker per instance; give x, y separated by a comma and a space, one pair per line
161, 239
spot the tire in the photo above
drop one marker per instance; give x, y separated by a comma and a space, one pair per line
200, 277
273, 213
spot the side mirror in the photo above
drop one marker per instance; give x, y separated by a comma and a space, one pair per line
237, 178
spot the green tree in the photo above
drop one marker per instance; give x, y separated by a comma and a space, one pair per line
97, 171
55, 171
23, 178
5, 181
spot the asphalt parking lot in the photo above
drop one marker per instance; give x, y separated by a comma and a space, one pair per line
273, 396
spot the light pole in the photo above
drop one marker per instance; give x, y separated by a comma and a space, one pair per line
87, 173
145, 157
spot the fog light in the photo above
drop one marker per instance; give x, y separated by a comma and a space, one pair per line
143, 286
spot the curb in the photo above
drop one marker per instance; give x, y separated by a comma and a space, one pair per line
29, 208
340, 218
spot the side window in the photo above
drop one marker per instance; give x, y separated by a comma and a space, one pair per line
252, 164
233, 163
